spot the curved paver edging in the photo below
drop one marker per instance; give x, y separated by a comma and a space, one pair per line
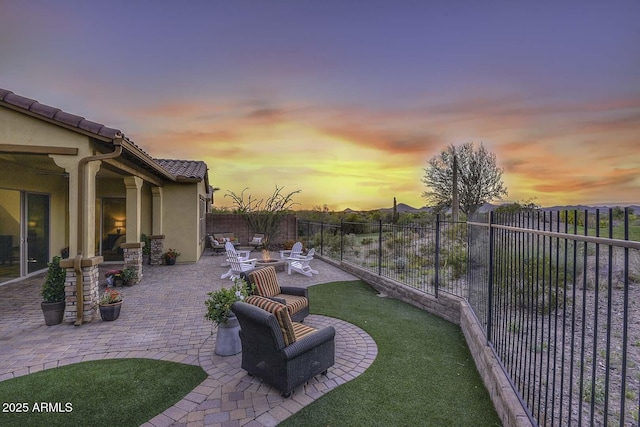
230, 394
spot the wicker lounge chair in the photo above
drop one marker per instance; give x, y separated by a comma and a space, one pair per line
266, 285
283, 353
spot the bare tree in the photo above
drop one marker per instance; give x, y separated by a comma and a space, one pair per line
479, 178
264, 215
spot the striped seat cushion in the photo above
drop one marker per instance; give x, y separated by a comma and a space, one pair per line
280, 312
294, 303
266, 281
300, 330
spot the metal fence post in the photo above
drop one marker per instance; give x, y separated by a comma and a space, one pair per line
309, 234
490, 296
437, 255
379, 247
341, 237
321, 237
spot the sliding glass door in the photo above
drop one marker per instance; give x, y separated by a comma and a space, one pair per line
24, 233
9, 234
37, 231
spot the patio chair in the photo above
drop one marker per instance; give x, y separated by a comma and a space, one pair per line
218, 247
257, 241
294, 252
243, 255
237, 264
266, 285
283, 353
301, 264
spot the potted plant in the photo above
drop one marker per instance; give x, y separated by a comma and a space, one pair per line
219, 312
129, 276
53, 293
109, 304
146, 249
114, 277
170, 256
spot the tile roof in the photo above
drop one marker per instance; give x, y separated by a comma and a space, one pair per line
191, 169
58, 115
186, 169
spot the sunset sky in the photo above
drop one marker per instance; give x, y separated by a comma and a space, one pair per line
347, 100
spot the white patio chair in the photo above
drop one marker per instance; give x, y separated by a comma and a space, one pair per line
301, 264
238, 266
294, 252
242, 255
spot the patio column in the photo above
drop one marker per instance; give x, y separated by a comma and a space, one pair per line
89, 210
156, 211
90, 284
133, 185
133, 247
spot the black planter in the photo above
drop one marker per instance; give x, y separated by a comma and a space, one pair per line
110, 312
170, 261
53, 312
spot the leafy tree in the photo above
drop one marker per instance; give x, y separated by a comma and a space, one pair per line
518, 206
264, 215
479, 178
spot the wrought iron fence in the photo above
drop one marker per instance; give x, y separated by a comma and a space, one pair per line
558, 294
430, 257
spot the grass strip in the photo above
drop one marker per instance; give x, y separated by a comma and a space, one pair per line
114, 392
423, 375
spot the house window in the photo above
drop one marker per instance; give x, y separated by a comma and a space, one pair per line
203, 222
113, 228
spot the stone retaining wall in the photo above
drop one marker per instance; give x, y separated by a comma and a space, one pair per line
456, 310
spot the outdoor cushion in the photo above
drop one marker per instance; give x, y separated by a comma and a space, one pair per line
282, 316
294, 303
301, 330
266, 282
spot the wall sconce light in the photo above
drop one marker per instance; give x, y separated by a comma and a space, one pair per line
119, 225
32, 224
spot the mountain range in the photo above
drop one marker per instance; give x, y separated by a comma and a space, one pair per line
488, 207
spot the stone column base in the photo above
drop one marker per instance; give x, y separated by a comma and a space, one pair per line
157, 249
90, 292
133, 257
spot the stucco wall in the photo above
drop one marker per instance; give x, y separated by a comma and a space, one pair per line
180, 220
16, 177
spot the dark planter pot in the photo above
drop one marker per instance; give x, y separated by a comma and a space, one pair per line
53, 312
110, 312
128, 282
228, 338
118, 282
170, 261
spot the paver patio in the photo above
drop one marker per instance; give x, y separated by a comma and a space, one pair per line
163, 318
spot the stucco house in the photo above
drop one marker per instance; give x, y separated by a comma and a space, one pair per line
73, 185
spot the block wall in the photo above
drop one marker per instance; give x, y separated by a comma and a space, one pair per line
237, 224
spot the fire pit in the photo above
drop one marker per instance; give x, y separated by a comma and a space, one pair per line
278, 264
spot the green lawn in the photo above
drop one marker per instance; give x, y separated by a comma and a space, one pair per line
423, 375
115, 392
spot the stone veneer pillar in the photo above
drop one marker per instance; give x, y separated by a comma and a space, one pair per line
157, 248
133, 257
90, 282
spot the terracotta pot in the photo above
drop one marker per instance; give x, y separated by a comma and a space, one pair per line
110, 312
